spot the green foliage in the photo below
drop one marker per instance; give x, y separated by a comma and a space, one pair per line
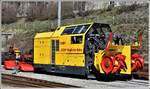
123, 19
126, 9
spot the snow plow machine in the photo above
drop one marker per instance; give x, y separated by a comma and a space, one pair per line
85, 49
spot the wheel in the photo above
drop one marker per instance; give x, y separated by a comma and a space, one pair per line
128, 77
37, 70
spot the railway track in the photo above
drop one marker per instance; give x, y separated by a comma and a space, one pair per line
20, 81
15, 81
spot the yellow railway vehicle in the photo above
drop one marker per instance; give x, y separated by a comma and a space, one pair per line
84, 49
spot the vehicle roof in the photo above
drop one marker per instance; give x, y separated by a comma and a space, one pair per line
43, 35
58, 32
84, 24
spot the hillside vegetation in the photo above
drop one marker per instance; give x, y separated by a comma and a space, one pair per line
124, 19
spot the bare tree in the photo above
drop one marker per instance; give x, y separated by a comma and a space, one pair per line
9, 11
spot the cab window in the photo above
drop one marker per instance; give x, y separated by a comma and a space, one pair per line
76, 39
68, 30
75, 29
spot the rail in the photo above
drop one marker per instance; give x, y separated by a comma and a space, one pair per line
21, 81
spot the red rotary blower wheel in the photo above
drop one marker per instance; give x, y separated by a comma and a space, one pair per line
107, 64
120, 59
137, 62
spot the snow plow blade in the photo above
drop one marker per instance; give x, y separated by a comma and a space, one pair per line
26, 67
9, 64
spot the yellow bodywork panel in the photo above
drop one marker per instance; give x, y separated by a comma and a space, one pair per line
67, 47
125, 50
58, 32
42, 51
97, 61
43, 35
70, 59
67, 53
